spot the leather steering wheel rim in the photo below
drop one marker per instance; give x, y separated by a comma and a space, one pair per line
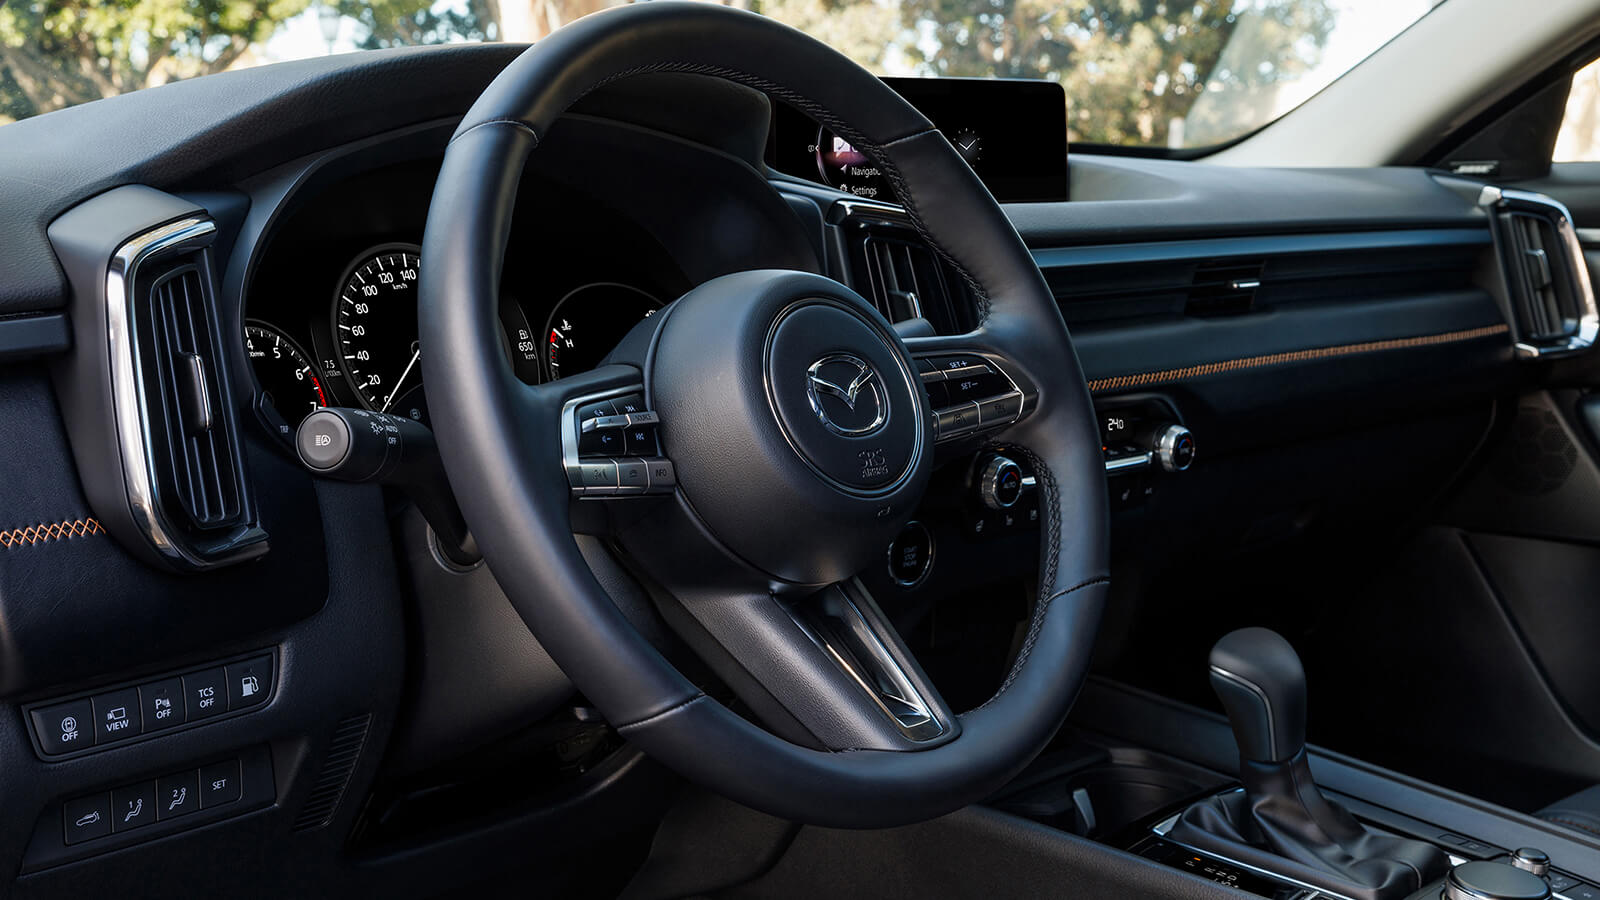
505, 465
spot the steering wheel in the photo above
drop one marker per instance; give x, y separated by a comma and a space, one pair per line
797, 435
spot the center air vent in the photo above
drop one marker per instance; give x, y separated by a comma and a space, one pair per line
193, 451
1550, 302
1223, 287
892, 266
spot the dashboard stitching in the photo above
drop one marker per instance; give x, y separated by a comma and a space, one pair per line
48, 532
1167, 376
816, 111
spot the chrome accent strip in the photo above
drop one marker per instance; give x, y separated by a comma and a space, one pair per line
886, 681
1128, 463
1266, 704
1587, 235
127, 400
1492, 198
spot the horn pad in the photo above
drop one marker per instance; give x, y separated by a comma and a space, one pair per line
795, 418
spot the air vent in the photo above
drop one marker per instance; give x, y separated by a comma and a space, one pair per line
344, 751
183, 396
1548, 296
1223, 287
893, 267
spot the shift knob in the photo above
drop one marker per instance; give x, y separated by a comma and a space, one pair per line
1259, 679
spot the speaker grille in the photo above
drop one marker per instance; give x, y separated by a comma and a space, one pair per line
344, 751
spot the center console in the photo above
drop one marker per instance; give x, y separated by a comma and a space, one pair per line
1243, 802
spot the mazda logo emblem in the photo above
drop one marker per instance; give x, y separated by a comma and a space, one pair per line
846, 395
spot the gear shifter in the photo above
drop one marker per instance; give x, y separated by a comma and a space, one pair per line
1281, 822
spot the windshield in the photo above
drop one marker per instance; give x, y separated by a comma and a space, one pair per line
1148, 73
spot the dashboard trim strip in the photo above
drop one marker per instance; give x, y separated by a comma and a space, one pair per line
1263, 245
1200, 370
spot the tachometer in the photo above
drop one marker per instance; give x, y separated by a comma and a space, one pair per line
375, 326
289, 382
589, 322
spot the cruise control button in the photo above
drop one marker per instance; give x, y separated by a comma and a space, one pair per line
662, 476
65, 727
597, 477
958, 420
133, 807
249, 682
970, 363
938, 393
116, 716
219, 784
1000, 410
976, 386
632, 476
648, 417
205, 693
929, 370
86, 818
177, 795
161, 703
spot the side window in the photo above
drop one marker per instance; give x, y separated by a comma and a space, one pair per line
1579, 138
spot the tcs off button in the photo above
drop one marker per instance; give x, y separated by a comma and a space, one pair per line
911, 555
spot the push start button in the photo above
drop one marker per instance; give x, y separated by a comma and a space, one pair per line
911, 555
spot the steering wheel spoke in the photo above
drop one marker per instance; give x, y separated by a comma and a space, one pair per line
825, 670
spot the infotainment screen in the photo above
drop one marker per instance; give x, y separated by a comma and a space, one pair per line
1012, 133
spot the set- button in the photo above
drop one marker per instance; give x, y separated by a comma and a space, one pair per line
117, 715
968, 393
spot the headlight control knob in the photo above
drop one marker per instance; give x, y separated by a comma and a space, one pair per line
1000, 483
1174, 448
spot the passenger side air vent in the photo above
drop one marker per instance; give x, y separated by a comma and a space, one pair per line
1548, 297
890, 265
1223, 287
183, 398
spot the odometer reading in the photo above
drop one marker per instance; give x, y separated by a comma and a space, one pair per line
375, 327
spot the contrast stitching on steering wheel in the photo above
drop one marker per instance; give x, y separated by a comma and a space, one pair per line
816, 111
1049, 500
665, 712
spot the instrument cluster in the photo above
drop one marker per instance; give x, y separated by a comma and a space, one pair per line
331, 317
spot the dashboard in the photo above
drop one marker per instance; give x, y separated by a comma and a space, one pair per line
331, 318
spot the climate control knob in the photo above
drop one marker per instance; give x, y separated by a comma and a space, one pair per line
1000, 483
1174, 448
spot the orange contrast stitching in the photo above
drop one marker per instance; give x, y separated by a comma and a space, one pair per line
45, 532
1166, 376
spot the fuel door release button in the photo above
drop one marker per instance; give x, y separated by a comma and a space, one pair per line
249, 682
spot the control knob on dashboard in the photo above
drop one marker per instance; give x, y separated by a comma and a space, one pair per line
1173, 447
1000, 483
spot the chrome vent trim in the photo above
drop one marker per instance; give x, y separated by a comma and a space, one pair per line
891, 265
1550, 301
132, 310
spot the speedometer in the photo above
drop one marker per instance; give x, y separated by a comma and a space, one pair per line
375, 328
